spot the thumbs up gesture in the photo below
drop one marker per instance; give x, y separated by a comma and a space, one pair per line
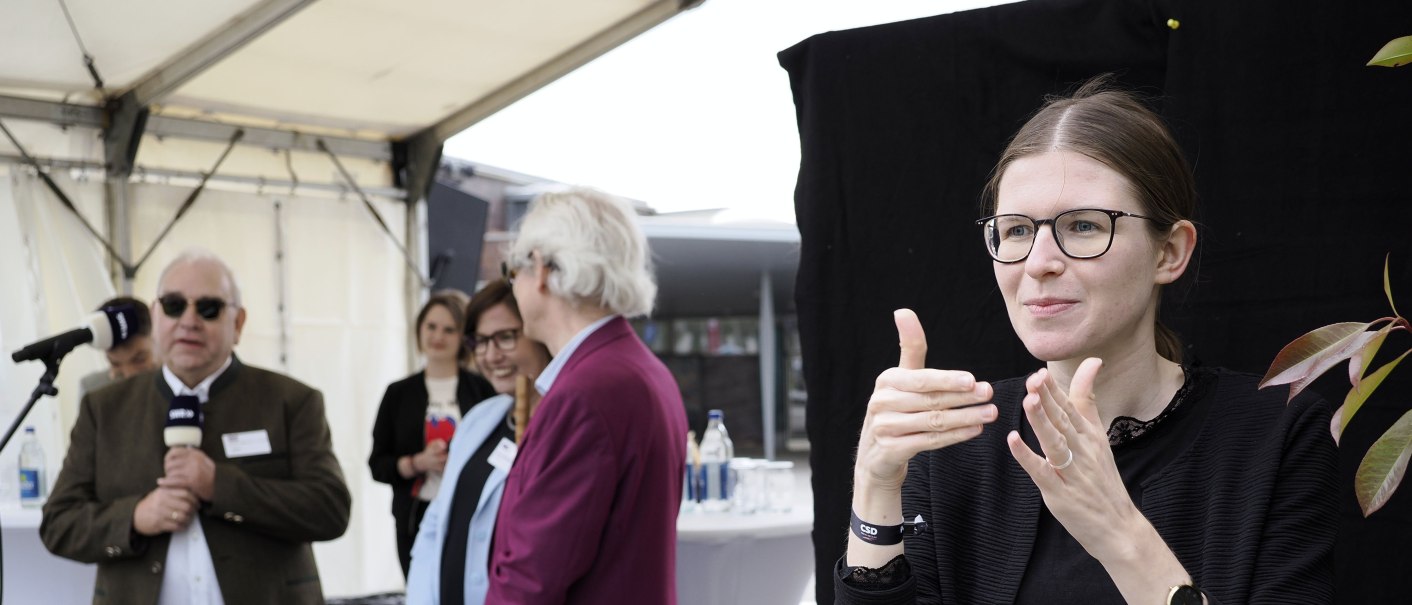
914, 409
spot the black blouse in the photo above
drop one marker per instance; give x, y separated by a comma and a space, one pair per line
1240, 484
1060, 570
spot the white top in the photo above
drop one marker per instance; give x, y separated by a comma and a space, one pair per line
443, 414
190, 576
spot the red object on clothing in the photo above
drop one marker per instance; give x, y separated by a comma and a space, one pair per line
441, 427
438, 427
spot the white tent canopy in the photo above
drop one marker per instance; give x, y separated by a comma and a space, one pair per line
384, 83
359, 68
330, 293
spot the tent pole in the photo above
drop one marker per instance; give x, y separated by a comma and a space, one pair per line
417, 288
126, 121
119, 230
767, 362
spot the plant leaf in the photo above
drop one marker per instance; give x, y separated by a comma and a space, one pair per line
1387, 283
1396, 52
1312, 354
1360, 393
1362, 358
1384, 465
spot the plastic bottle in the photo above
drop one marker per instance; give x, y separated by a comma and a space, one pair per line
716, 454
33, 482
690, 493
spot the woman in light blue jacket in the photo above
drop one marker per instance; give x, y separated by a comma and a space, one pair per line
451, 555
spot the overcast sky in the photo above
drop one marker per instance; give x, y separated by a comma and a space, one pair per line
693, 114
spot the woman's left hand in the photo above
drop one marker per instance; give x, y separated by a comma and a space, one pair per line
1076, 474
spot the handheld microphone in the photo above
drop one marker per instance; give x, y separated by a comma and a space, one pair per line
108, 328
184, 420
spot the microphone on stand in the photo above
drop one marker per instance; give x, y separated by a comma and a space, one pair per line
184, 421
108, 328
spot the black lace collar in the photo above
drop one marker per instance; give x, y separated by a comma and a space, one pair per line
1126, 429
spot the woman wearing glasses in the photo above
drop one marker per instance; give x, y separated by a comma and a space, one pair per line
1116, 473
452, 551
419, 414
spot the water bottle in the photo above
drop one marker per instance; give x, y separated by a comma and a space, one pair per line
689, 489
32, 479
716, 453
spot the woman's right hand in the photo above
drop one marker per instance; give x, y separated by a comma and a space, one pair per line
431, 458
914, 409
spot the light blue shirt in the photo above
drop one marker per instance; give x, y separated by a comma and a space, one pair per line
424, 577
551, 371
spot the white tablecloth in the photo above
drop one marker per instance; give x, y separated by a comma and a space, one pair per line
32, 575
722, 559
757, 559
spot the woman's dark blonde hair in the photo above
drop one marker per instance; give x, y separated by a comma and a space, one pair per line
1113, 127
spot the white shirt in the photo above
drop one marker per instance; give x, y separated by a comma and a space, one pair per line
442, 412
190, 576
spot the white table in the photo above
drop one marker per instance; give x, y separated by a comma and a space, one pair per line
756, 559
32, 574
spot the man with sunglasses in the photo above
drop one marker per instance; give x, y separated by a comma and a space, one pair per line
228, 522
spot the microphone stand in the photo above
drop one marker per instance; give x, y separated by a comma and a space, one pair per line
45, 387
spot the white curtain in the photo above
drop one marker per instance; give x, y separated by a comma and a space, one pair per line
344, 330
54, 276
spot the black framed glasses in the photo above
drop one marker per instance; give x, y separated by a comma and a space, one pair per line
208, 307
1080, 233
507, 273
505, 340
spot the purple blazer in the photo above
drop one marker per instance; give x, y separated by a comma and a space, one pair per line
590, 508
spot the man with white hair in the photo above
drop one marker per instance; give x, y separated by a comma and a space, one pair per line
230, 521
590, 505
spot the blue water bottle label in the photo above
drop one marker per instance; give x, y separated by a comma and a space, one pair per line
29, 483
725, 481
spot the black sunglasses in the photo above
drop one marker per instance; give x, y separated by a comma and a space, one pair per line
208, 307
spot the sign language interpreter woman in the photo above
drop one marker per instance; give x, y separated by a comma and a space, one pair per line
1116, 473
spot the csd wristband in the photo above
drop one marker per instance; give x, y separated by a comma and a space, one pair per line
885, 535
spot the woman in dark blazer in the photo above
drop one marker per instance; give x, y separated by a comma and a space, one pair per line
419, 414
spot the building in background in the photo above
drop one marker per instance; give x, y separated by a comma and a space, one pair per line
721, 278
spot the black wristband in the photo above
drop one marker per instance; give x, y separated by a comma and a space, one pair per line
885, 535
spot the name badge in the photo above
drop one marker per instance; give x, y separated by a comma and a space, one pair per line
504, 454
248, 443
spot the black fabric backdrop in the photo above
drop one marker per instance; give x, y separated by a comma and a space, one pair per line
1302, 159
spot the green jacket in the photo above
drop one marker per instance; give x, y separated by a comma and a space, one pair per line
266, 509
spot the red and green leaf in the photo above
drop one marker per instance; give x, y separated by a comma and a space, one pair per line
1312, 354
1384, 465
1362, 358
1360, 392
